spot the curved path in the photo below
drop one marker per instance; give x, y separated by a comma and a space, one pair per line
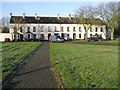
36, 73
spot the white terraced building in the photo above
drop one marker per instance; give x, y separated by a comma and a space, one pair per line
38, 27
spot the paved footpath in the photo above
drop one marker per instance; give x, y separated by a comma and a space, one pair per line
37, 72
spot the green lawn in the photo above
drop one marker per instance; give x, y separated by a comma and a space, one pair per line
15, 52
109, 42
86, 66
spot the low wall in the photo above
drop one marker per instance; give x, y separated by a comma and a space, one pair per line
5, 35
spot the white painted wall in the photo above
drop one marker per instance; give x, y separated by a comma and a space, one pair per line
50, 28
5, 35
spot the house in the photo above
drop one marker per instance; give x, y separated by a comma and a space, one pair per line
39, 27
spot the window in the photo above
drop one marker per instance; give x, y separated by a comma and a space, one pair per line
34, 36
28, 29
61, 29
101, 29
68, 29
34, 29
79, 29
74, 29
90, 29
14, 28
67, 35
96, 29
21, 29
55, 29
79, 35
90, 35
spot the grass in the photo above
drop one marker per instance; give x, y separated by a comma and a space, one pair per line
109, 42
86, 66
15, 52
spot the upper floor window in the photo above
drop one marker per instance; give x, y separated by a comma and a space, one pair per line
61, 29
74, 29
68, 29
15, 30
34, 29
90, 29
55, 28
96, 29
101, 29
28, 29
79, 29
49, 30
20, 29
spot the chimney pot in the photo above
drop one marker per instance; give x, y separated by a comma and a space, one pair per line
10, 14
70, 16
23, 15
35, 15
58, 16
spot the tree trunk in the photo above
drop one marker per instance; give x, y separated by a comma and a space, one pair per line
85, 35
112, 33
15, 37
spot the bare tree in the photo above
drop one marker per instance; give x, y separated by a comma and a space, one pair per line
4, 23
85, 16
109, 13
18, 22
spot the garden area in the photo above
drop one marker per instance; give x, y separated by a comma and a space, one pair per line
85, 66
14, 53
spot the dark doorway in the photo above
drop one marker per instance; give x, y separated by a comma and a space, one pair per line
62, 35
49, 36
42, 37
34, 37
74, 36
21, 37
28, 36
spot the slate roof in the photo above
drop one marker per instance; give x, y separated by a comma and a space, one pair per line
51, 20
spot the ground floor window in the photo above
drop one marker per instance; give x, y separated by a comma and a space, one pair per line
79, 35
67, 35
90, 35
74, 36
34, 36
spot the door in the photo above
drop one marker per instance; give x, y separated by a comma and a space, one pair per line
62, 35
74, 36
49, 36
21, 37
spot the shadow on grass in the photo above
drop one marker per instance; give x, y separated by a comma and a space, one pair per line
76, 58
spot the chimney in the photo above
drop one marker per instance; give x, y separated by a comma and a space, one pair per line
70, 16
58, 16
23, 15
10, 14
35, 15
